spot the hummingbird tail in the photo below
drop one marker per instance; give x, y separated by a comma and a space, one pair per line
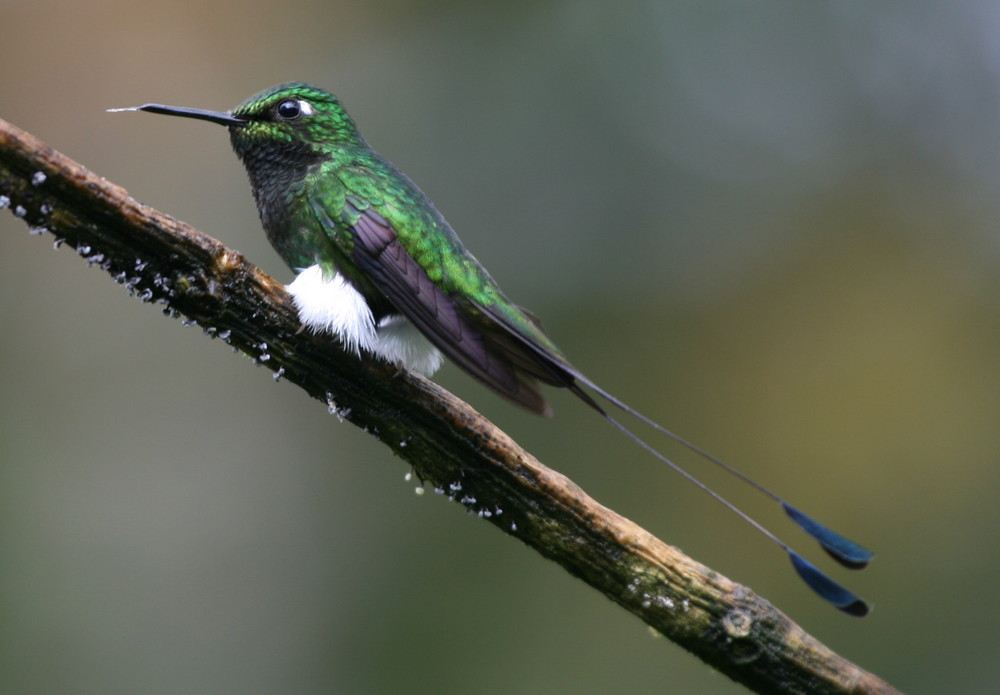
844, 551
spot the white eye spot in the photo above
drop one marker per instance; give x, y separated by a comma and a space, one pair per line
306, 108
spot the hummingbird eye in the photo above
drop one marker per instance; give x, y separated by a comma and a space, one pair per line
291, 109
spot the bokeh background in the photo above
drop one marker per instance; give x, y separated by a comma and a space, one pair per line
773, 226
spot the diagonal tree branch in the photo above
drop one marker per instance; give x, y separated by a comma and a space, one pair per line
450, 446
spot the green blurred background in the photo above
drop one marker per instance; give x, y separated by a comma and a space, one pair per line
772, 226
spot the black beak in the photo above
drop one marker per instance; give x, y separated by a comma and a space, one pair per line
220, 117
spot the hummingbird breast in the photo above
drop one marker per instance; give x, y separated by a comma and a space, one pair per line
278, 171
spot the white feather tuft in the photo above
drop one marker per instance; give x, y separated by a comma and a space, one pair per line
334, 306
401, 342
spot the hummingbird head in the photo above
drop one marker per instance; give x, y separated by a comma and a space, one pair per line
281, 135
280, 132
296, 116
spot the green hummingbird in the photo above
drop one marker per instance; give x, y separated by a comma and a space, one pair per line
381, 269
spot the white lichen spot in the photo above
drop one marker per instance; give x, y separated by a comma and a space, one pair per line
334, 409
38, 178
737, 623
419, 490
20, 211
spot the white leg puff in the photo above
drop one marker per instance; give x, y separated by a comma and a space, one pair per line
401, 342
334, 306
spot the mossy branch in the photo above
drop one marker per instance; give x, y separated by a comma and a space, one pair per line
450, 446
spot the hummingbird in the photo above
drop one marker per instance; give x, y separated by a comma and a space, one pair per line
378, 266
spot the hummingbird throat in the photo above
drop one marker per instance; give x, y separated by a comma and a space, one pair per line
332, 305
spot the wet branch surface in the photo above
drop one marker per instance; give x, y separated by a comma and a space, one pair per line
450, 446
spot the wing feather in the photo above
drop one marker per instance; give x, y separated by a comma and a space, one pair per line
482, 348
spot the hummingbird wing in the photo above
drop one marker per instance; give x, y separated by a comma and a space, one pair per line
465, 332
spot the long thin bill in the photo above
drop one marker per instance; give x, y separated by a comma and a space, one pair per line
220, 117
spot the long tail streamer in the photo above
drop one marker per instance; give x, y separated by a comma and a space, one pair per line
845, 551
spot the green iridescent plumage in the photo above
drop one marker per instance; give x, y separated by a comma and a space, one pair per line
382, 260
342, 178
315, 180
